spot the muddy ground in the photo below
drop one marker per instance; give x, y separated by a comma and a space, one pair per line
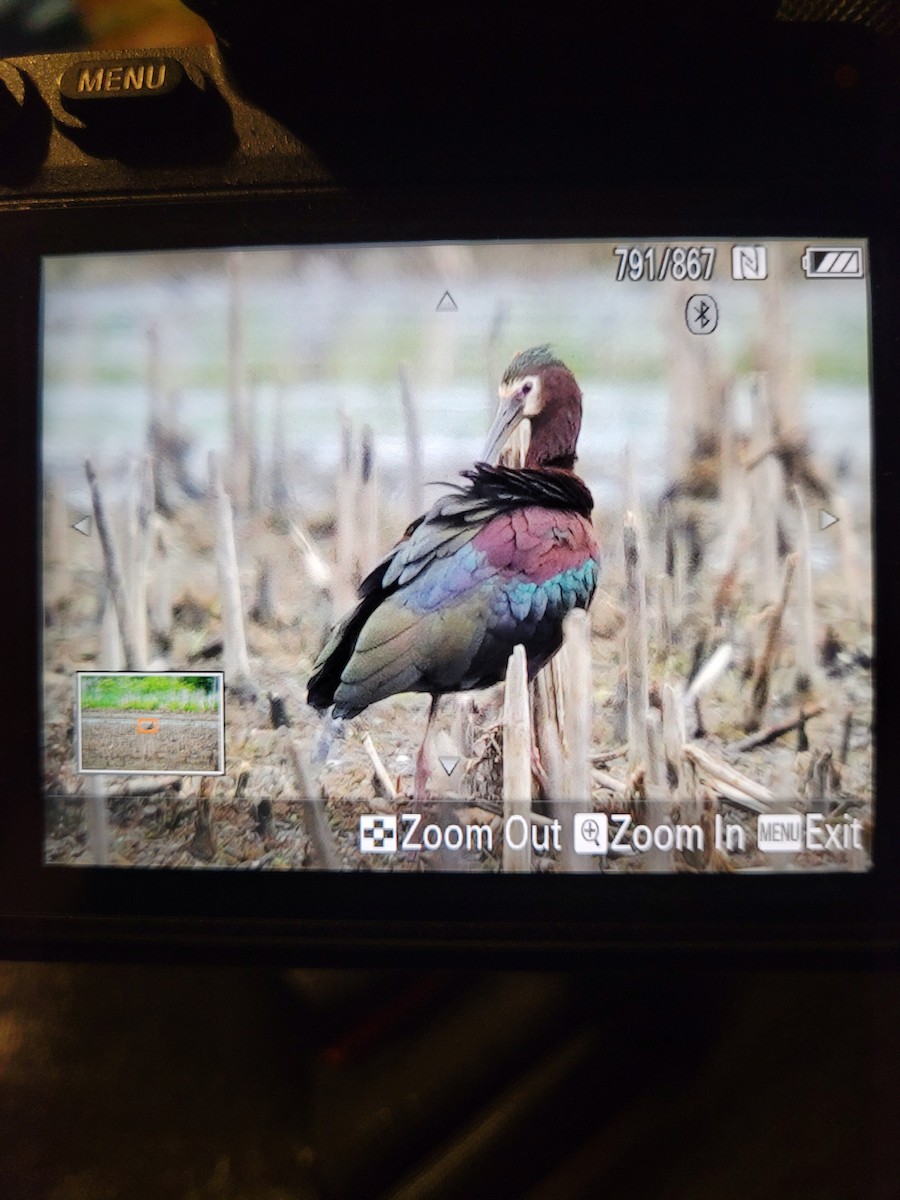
149, 741
259, 819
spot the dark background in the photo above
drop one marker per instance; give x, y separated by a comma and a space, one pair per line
681, 1080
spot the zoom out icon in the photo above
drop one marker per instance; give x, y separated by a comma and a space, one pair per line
377, 834
591, 833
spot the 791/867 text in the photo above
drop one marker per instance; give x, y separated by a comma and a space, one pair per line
665, 262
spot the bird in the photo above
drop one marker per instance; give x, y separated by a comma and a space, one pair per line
497, 561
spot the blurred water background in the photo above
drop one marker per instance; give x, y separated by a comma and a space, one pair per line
329, 327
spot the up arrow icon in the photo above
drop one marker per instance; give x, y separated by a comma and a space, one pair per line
446, 304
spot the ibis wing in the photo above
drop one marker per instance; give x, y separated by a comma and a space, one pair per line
442, 611
457, 518
431, 538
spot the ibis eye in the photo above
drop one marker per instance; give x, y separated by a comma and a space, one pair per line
526, 388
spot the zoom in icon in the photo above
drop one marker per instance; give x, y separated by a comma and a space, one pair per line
591, 833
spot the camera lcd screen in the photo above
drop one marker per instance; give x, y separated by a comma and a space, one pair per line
489, 558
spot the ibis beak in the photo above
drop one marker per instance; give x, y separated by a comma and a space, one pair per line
509, 416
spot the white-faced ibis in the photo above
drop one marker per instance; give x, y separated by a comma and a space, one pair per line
496, 562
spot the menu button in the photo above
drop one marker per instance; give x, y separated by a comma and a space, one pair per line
129, 77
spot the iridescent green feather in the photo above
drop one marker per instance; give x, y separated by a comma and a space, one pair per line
538, 358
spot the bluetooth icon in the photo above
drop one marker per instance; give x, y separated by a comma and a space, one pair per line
701, 314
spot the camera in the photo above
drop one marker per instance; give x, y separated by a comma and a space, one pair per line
449, 531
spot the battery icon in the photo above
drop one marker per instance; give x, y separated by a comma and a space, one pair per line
832, 262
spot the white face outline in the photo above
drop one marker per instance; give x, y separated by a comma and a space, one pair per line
524, 391
519, 400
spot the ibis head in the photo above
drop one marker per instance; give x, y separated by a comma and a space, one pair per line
539, 388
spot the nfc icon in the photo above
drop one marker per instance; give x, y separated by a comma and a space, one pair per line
749, 262
377, 834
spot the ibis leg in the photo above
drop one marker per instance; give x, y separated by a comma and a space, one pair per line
420, 784
539, 771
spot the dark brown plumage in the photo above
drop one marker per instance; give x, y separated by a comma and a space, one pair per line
499, 560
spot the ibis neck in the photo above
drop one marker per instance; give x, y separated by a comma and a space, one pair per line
564, 461
555, 429
554, 439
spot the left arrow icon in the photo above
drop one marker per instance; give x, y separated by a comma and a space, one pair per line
84, 525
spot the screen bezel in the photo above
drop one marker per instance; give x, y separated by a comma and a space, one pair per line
91, 911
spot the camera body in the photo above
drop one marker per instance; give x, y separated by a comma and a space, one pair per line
117, 168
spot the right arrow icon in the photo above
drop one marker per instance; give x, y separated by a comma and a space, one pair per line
827, 519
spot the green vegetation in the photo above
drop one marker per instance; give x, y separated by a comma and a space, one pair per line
151, 693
